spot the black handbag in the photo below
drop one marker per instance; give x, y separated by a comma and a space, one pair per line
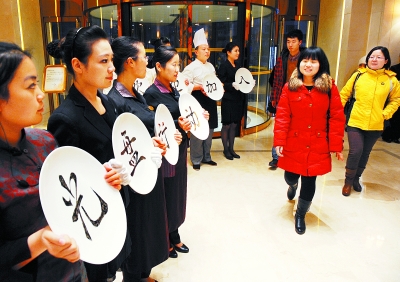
350, 103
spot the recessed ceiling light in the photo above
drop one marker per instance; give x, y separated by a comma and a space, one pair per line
161, 21
207, 7
209, 20
141, 20
139, 8
227, 18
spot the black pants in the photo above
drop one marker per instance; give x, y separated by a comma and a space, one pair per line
133, 277
174, 237
360, 146
307, 190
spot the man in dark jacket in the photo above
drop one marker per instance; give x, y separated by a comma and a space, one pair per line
283, 69
392, 132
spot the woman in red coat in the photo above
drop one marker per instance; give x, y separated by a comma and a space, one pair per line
309, 126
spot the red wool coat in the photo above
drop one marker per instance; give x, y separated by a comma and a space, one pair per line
301, 126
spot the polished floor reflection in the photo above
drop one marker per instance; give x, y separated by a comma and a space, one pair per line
239, 224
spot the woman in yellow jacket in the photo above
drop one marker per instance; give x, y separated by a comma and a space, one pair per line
377, 94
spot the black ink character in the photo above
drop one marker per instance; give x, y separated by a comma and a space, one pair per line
176, 86
135, 159
77, 212
242, 79
137, 85
211, 87
127, 144
162, 134
192, 116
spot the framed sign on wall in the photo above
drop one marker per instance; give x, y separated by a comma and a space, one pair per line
54, 79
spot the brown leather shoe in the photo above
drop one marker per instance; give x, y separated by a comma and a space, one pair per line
346, 190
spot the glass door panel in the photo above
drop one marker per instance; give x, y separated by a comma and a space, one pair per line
107, 18
259, 58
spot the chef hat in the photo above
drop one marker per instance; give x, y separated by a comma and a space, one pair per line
199, 38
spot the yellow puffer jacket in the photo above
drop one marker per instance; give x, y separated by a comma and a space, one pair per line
372, 89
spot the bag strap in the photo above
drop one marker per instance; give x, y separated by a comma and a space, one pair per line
387, 98
354, 84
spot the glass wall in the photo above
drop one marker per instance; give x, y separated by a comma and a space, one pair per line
261, 61
172, 21
107, 18
221, 23
306, 26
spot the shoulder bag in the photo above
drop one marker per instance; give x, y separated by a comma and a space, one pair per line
350, 103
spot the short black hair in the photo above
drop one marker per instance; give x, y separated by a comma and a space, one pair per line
314, 53
11, 56
295, 33
163, 55
229, 47
123, 48
78, 44
385, 52
160, 41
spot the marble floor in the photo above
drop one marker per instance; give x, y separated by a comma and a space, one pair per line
239, 224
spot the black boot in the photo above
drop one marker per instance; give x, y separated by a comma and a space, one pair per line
356, 182
299, 223
291, 192
348, 182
